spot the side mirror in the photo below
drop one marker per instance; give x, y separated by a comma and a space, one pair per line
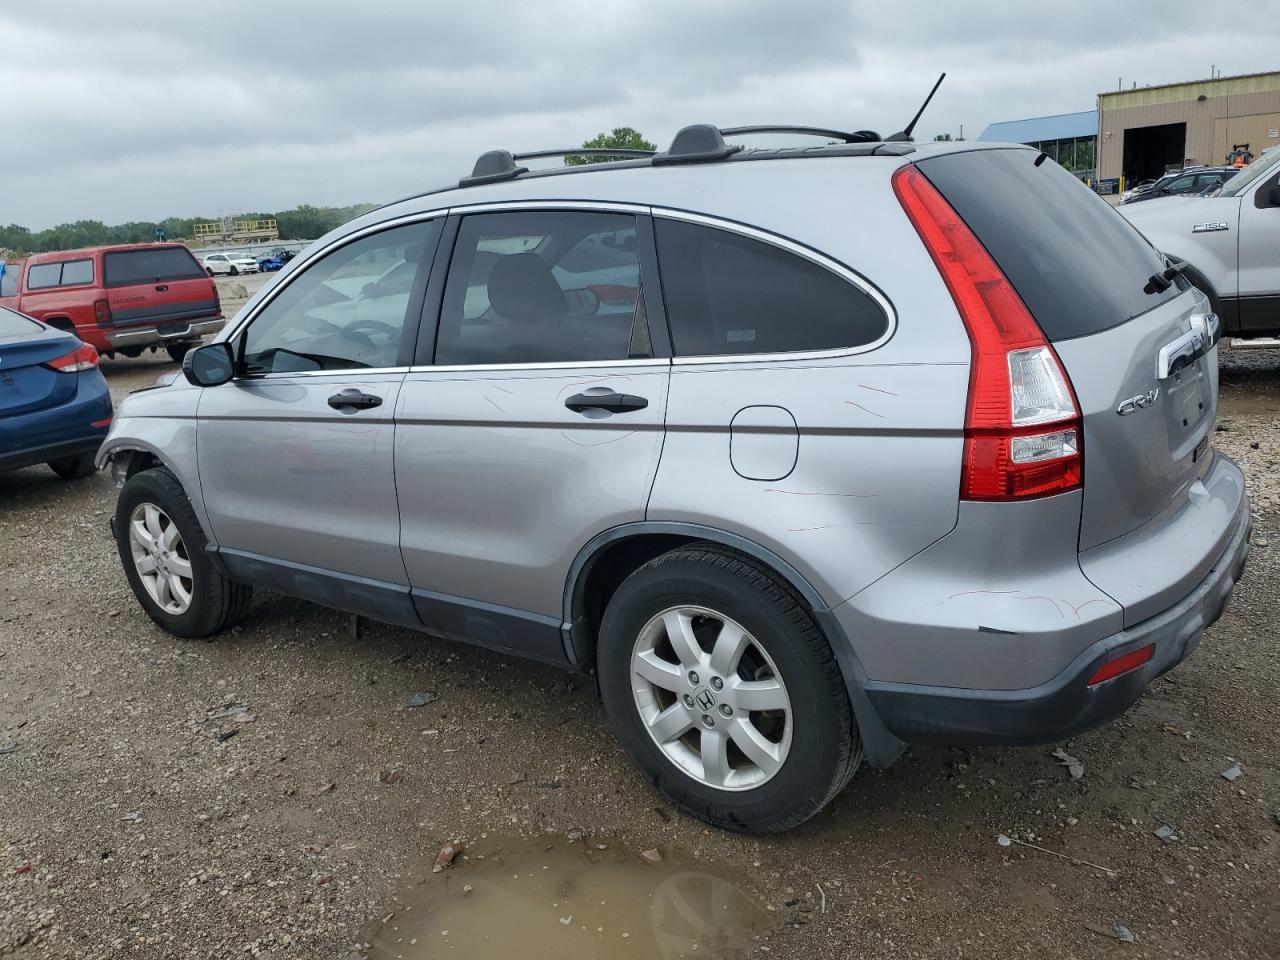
209, 366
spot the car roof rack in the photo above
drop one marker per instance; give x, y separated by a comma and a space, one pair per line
858, 136
697, 143
499, 165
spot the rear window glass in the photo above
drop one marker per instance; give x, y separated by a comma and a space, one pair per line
1077, 264
150, 266
42, 276
729, 294
14, 324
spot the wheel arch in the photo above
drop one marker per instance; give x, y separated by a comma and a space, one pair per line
612, 555
129, 457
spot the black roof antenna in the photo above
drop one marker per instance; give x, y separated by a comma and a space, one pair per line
905, 135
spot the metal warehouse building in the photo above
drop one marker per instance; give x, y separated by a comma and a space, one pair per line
1145, 131
1068, 138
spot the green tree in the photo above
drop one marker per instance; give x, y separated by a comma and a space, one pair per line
943, 137
625, 137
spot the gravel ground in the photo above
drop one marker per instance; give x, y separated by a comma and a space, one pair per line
132, 825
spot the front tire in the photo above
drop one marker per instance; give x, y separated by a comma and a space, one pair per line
235, 272
722, 688
162, 549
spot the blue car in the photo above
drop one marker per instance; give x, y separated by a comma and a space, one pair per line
271, 262
54, 404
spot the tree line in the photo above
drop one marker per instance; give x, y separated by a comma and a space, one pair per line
305, 222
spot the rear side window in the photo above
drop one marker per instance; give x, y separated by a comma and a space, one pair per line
1076, 263
15, 325
42, 276
729, 294
124, 267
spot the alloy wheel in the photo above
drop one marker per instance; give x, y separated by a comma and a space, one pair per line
161, 559
711, 698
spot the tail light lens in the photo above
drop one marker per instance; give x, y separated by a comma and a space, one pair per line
1022, 423
102, 313
84, 357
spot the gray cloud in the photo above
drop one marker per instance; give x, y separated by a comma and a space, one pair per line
141, 110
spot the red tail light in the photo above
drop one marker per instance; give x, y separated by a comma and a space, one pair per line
1018, 388
84, 357
102, 313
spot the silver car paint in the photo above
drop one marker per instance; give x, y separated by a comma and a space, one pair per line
286, 476
937, 591
501, 485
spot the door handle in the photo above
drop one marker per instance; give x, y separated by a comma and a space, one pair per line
613, 402
352, 399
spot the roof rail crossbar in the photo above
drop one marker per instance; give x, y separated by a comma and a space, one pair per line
585, 152
858, 136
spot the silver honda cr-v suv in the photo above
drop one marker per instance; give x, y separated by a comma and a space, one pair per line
806, 454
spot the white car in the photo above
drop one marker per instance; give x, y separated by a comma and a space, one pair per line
230, 263
1226, 245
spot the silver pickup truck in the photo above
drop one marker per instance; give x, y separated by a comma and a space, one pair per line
1230, 243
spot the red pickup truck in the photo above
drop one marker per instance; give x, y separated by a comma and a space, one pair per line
122, 299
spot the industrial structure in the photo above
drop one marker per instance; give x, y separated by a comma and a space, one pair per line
229, 230
1069, 138
1144, 132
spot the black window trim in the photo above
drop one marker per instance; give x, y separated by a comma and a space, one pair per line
841, 270
654, 305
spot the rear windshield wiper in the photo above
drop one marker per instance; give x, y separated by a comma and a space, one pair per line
1162, 280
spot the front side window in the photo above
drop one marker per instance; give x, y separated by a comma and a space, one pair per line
543, 287
346, 310
729, 294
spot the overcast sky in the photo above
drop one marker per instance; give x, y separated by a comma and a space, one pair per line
140, 110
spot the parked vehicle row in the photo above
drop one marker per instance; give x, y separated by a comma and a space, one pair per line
120, 299
1189, 181
789, 448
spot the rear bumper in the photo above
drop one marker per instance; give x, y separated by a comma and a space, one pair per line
52, 451
163, 333
1066, 705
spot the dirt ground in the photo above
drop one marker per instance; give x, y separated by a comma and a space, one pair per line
132, 825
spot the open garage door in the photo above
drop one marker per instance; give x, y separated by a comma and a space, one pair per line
1149, 151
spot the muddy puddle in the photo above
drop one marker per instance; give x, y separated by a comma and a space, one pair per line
571, 902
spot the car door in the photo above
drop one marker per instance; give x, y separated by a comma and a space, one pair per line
534, 420
295, 453
1259, 257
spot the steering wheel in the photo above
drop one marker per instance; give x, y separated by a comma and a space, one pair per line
375, 326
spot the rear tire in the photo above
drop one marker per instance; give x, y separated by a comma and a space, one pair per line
170, 545
235, 272
810, 742
177, 351
73, 468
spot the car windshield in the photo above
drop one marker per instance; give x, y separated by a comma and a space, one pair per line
1245, 178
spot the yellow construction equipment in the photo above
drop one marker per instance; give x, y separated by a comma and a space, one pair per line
231, 230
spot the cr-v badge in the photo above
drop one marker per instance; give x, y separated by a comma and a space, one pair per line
1134, 404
